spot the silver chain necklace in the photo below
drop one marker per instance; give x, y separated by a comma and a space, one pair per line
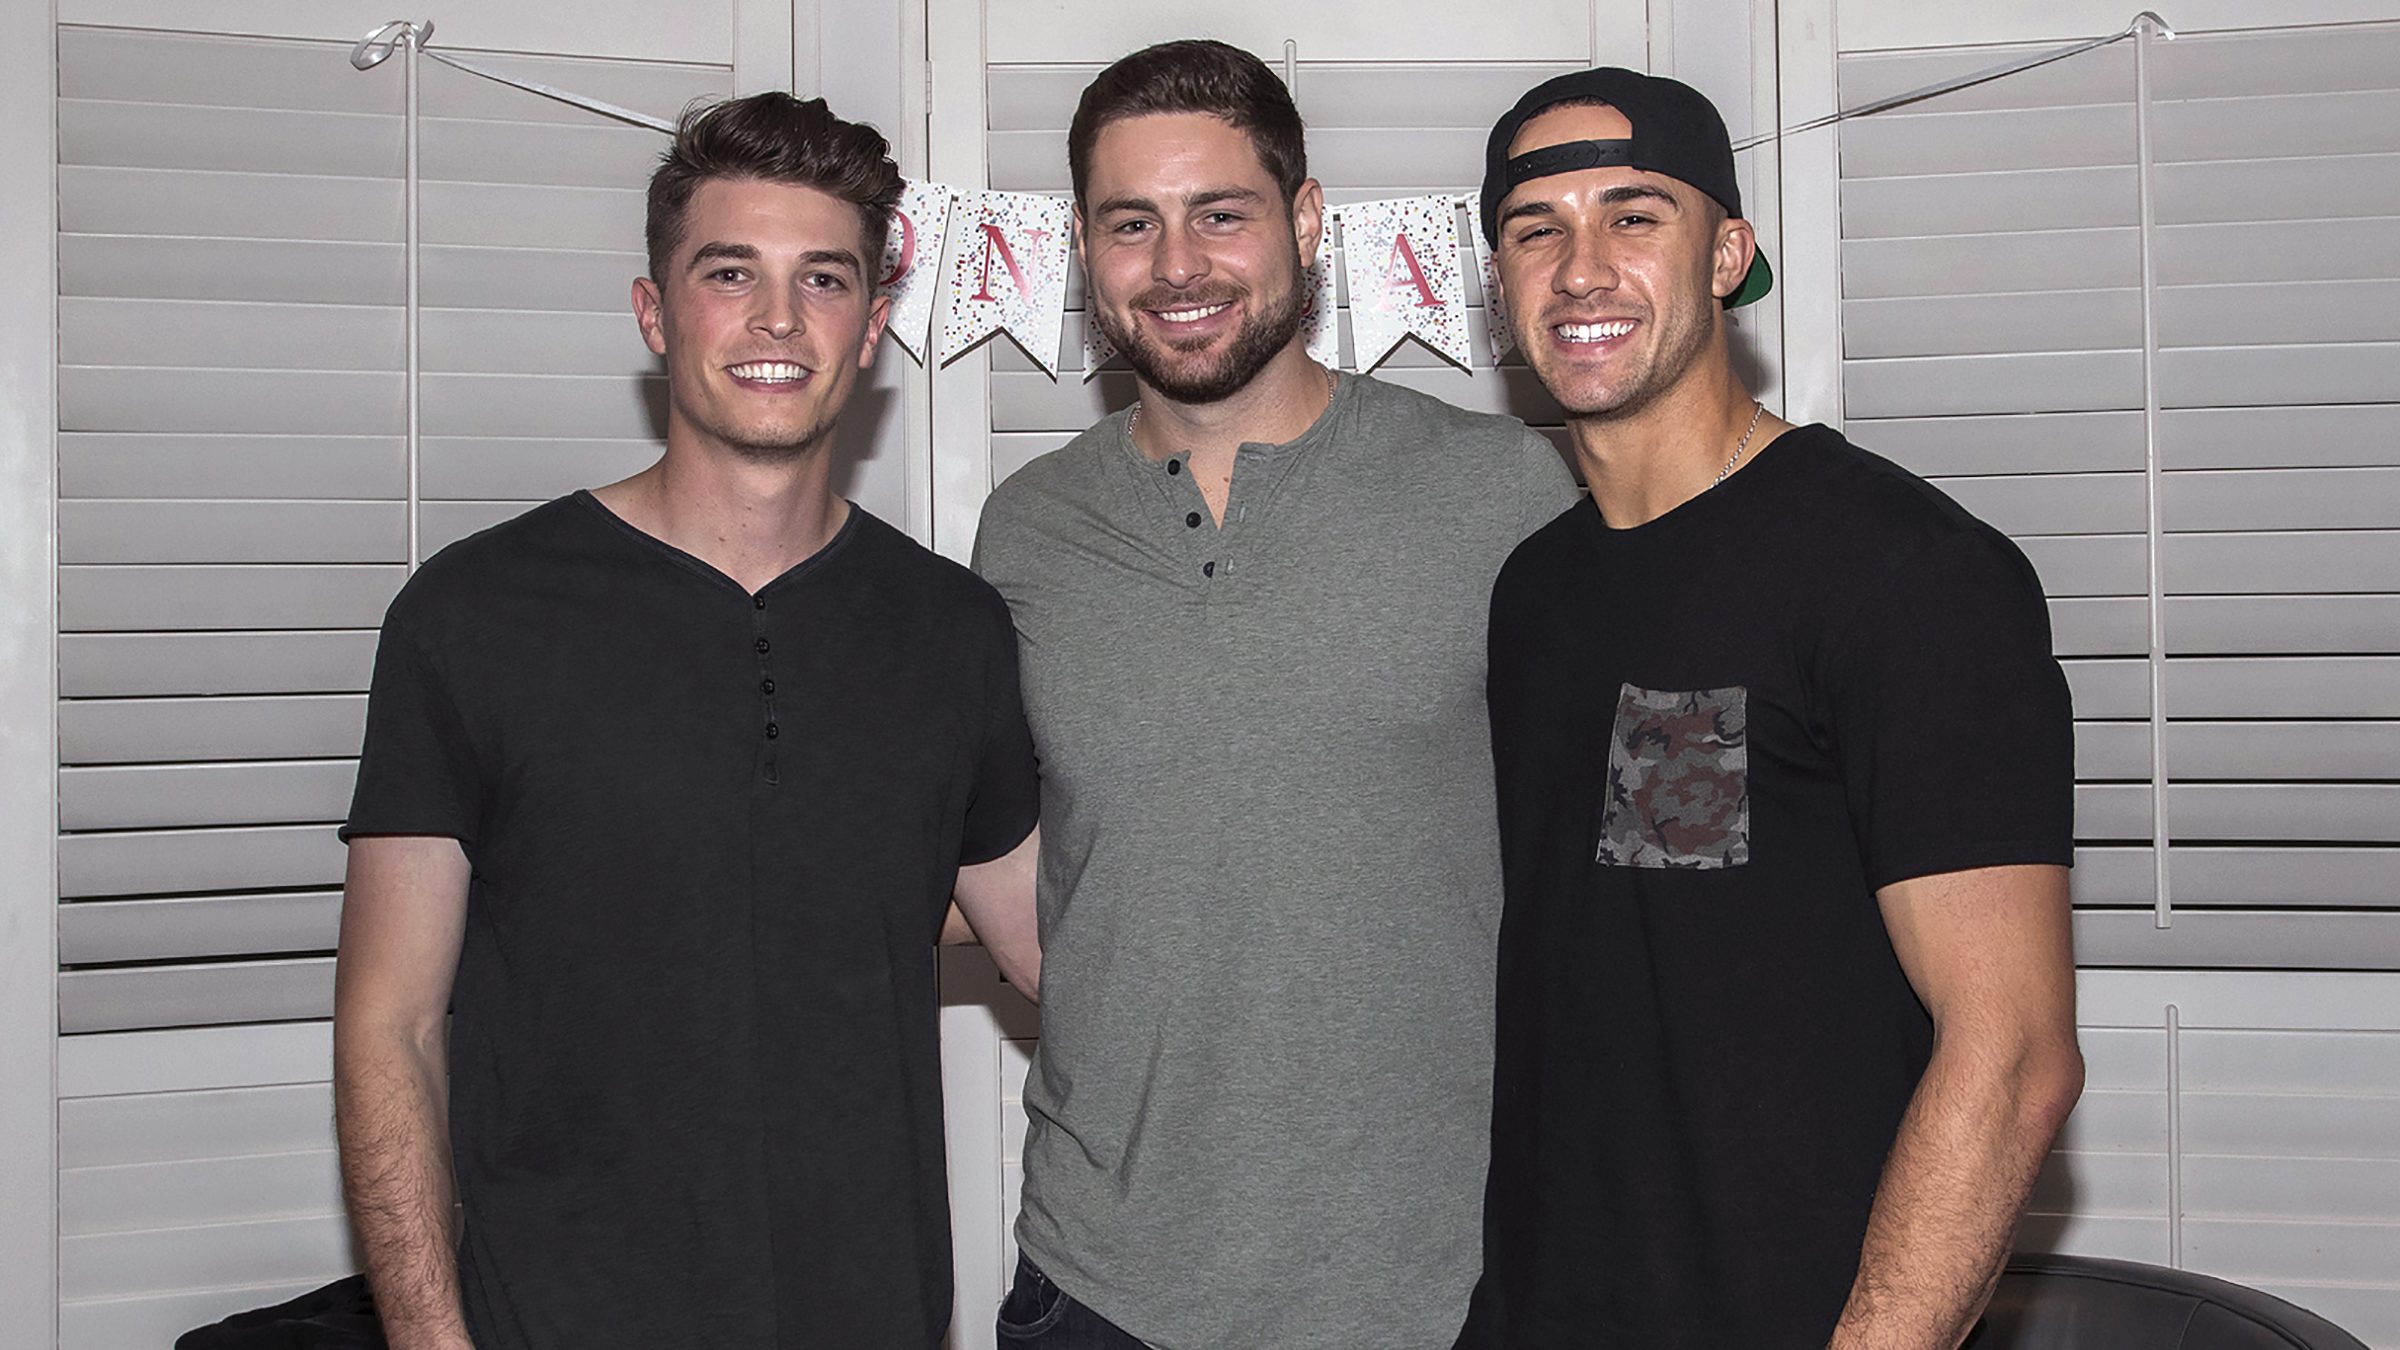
1756, 408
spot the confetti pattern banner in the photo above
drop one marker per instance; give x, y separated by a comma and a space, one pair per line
1497, 334
912, 262
1401, 260
1319, 318
1008, 273
1097, 349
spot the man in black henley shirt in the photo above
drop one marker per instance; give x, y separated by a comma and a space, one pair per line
677, 779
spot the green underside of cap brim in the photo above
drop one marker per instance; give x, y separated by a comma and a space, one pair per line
1754, 286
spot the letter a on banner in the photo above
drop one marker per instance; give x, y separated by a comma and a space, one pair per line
1401, 259
1008, 273
912, 262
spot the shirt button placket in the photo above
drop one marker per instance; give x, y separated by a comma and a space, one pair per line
766, 686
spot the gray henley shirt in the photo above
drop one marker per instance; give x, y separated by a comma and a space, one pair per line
1270, 876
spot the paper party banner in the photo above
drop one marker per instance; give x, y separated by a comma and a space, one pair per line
1497, 334
1008, 273
1401, 260
1318, 317
912, 262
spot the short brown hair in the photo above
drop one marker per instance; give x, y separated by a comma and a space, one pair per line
776, 138
1194, 75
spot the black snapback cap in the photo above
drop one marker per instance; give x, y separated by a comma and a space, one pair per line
1676, 132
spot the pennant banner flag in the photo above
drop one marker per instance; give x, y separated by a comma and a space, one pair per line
1008, 273
1318, 316
1498, 336
1097, 349
1401, 260
912, 262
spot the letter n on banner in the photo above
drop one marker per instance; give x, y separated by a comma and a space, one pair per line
1008, 273
1401, 259
912, 262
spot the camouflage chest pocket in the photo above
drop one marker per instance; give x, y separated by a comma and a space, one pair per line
1678, 780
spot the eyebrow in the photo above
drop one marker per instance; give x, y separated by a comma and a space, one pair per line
1615, 196
721, 251
1210, 197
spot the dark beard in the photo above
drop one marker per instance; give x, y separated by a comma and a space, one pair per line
1255, 343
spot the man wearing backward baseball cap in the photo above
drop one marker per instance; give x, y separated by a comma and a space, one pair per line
1786, 1005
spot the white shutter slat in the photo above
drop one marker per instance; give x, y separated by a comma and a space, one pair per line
2112, 750
658, 88
162, 531
2278, 61
2100, 1183
102, 464
2334, 372
2009, 382
236, 140
2234, 938
196, 1059
161, 796
2283, 750
119, 63
2102, 76
2117, 1059
2251, 1250
2321, 562
2108, 688
228, 205
132, 731
173, 1126
525, 468
476, 341
2232, 688
597, 219
2022, 443
2117, 1122
2293, 1125
441, 524
117, 398
2099, 626
2278, 312
2253, 876
2267, 188
2115, 1237
98, 665
167, 268
97, 932
2297, 437
1436, 159
2350, 122
2277, 250
157, 1319
2112, 811
2310, 1062
162, 861
1366, 94
2283, 624
530, 278
1967, 142
113, 332
2115, 875
195, 1192
2317, 812
246, 597
2056, 503
1990, 264
601, 407
1969, 203
116, 1265
2281, 499
1971, 325
132, 997
590, 152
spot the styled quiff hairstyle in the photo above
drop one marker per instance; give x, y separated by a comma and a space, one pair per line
775, 138
1195, 75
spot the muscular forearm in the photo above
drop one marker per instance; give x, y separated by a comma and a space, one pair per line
390, 1108
1956, 1182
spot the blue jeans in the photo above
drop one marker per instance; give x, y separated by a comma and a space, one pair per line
1038, 1315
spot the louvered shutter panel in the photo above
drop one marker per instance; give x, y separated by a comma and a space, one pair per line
1995, 338
234, 513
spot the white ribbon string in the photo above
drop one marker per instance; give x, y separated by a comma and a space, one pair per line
376, 47
2158, 28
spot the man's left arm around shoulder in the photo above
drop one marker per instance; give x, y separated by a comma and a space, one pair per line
995, 906
1988, 952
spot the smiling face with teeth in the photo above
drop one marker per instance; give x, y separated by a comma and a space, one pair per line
765, 317
1192, 258
1613, 275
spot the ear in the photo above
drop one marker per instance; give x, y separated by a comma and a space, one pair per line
1308, 221
1736, 245
879, 313
649, 311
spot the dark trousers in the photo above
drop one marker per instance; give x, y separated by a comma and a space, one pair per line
1038, 1315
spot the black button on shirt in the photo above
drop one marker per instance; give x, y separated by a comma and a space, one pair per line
694, 1062
763, 645
1174, 466
1192, 520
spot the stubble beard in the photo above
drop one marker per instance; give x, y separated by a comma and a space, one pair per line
1264, 332
1682, 336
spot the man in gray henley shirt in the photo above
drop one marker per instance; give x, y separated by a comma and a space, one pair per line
1251, 617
